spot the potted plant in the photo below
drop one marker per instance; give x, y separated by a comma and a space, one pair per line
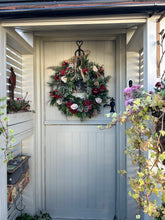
40, 216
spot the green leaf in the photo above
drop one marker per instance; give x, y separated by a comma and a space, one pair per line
3, 99
12, 140
10, 146
153, 154
163, 197
162, 156
141, 181
140, 174
5, 119
11, 131
3, 106
114, 115
137, 102
99, 126
162, 132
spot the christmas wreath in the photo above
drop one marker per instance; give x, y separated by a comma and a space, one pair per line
79, 87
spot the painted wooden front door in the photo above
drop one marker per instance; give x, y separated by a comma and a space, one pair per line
80, 159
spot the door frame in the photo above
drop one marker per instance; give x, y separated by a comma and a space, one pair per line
121, 189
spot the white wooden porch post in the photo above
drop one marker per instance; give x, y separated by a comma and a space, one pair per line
150, 63
150, 45
3, 167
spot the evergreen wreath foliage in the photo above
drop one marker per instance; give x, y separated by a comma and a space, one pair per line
79, 87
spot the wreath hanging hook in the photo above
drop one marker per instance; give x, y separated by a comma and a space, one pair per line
79, 50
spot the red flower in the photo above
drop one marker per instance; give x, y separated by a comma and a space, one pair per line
67, 68
68, 104
95, 91
57, 78
63, 72
102, 88
56, 90
73, 111
158, 84
86, 102
90, 107
99, 74
11, 79
85, 70
101, 69
64, 63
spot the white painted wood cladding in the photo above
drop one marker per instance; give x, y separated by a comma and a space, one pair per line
80, 172
80, 169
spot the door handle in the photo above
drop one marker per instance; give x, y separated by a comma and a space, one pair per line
111, 104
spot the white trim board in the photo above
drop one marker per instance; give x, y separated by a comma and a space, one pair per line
76, 20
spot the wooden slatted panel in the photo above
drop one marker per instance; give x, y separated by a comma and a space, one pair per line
141, 67
14, 59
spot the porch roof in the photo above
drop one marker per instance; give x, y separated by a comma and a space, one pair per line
77, 8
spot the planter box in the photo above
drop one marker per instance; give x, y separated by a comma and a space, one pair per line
16, 168
20, 117
13, 191
17, 176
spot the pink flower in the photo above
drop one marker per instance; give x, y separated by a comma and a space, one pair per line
138, 86
126, 103
127, 90
17, 98
130, 101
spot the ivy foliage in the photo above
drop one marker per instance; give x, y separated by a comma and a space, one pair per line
6, 133
146, 149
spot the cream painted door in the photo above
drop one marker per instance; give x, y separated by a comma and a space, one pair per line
80, 159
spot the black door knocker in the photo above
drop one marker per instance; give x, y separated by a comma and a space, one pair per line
111, 104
